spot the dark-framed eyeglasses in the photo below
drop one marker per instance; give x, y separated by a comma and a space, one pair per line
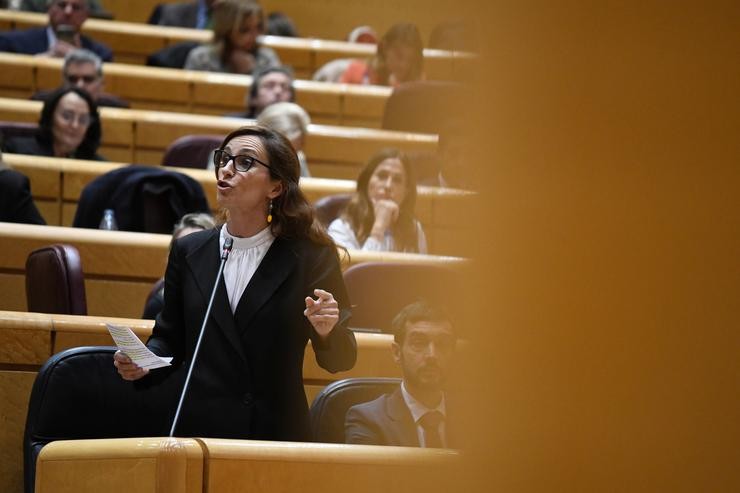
75, 79
242, 162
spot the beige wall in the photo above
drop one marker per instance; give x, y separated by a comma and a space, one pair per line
612, 279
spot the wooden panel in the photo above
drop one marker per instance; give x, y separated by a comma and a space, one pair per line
15, 389
24, 346
13, 290
119, 298
245, 465
121, 466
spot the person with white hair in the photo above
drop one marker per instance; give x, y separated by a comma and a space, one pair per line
292, 121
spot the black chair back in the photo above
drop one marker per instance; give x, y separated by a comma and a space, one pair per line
330, 406
78, 394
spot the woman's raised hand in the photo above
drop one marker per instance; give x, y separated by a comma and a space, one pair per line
322, 312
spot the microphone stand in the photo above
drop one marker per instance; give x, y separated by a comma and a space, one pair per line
228, 243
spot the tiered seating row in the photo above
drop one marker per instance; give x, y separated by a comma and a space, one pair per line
198, 92
141, 136
121, 267
27, 340
57, 184
133, 42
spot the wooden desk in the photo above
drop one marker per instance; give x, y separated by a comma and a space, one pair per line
141, 136
133, 42
156, 88
225, 466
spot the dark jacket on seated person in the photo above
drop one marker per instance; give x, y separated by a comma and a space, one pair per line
126, 190
35, 147
35, 40
16, 203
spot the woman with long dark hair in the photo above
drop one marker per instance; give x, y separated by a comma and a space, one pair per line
282, 286
69, 126
380, 215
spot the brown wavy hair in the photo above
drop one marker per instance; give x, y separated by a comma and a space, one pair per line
292, 214
360, 214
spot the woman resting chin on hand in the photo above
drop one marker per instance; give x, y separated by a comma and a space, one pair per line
380, 215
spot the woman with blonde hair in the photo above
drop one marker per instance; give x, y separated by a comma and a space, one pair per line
235, 48
292, 121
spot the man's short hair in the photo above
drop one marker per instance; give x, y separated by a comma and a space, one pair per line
82, 55
257, 78
420, 311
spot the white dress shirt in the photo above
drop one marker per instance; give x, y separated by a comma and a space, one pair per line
418, 410
246, 255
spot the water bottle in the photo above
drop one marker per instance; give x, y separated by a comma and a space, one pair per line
109, 220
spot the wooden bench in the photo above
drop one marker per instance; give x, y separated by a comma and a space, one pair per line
165, 89
27, 340
187, 465
121, 267
57, 184
141, 136
133, 42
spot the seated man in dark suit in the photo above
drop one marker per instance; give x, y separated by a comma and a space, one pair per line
415, 415
59, 37
16, 202
195, 14
84, 69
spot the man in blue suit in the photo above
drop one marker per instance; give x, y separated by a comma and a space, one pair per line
416, 414
59, 37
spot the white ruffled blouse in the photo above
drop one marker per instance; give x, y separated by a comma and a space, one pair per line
246, 255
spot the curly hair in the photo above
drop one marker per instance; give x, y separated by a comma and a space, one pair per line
360, 214
88, 148
292, 214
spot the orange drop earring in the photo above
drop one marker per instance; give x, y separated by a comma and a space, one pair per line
269, 212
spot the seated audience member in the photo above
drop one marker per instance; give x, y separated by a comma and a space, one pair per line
196, 14
189, 223
270, 86
333, 70
416, 414
69, 127
16, 202
59, 37
96, 9
454, 164
234, 49
399, 59
380, 215
279, 24
292, 121
84, 69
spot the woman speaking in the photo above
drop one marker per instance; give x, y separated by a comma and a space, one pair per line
282, 285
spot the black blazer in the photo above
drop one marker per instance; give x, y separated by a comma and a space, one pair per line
35, 40
16, 202
248, 380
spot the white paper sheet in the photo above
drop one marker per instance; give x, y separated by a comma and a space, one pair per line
130, 345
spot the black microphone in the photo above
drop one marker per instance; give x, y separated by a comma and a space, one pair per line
228, 243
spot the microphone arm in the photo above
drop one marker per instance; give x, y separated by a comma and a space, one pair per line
228, 243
